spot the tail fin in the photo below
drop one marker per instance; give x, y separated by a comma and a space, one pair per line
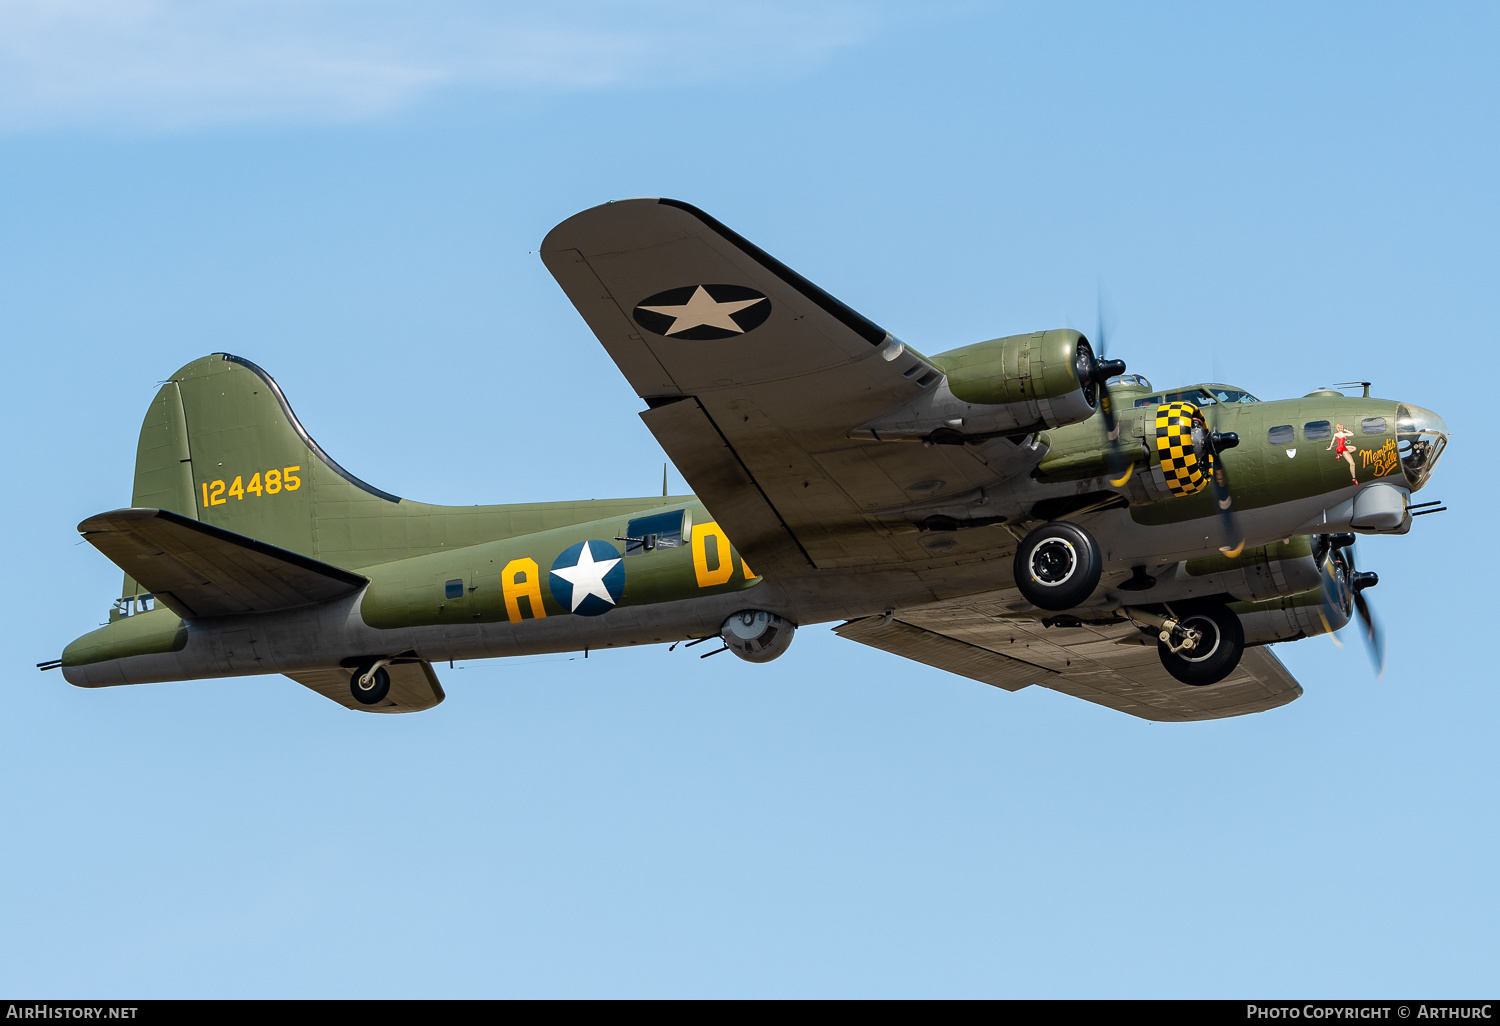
221, 444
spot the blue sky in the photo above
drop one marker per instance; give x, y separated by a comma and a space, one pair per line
1279, 196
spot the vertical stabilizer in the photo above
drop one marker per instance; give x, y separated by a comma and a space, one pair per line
220, 444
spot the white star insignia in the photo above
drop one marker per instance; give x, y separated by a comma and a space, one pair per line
702, 309
587, 577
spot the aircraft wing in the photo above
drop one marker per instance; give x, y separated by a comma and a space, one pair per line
754, 378
414, 686
197, 570
1106, 665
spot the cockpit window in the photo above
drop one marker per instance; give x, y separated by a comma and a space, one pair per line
1150, 400
1210, 395
658, 531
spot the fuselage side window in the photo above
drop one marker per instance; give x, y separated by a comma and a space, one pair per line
1317, 430
1282, 434
658, 531
1373, 425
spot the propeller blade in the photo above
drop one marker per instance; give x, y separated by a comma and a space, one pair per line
1370, 628
1328, 630
1104, 369
1372, 633
1234, 541
1119, 461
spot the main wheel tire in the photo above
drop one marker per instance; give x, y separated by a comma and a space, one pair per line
1058, 566
1216, 655
372, 693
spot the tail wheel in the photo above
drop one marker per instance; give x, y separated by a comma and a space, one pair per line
1216, 654
373, 692
1058, 566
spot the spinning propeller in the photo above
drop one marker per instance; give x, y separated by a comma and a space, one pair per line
1216, 442
1357, 581
1121, 466
1369, 627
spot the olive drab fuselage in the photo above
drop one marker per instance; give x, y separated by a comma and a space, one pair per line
1292, 468
457, 595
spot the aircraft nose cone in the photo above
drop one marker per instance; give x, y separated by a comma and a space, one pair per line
1421, 437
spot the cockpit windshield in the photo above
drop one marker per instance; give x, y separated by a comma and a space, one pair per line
1202, 395
1225, 394
1421, 437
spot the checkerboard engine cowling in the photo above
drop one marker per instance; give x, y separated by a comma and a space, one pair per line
1186, 472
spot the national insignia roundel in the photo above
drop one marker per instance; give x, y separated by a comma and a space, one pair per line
702, 313
588, 578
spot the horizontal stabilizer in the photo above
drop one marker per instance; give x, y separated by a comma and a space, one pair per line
414, 687
197, 570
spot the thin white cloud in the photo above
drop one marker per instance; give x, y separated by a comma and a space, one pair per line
164, 64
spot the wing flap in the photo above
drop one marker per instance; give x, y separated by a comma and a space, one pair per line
197, 570
944, 653
1102, 664
720, 480
414, 687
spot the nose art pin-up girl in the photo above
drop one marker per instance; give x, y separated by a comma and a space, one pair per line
1341, 447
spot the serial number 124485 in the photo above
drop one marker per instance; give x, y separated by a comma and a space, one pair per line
269, 483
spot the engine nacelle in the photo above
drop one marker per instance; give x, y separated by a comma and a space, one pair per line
1046, 371
1268, 572
1178, 459
1276, 571
1320, 610
1015, 384
757, 636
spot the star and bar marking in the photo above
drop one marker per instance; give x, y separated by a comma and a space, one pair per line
703, 312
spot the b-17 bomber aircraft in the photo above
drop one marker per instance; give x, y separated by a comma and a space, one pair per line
1019, 511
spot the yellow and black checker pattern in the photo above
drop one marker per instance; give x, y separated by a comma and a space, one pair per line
1187, 471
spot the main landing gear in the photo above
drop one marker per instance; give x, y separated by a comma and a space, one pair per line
1058, 566
1198, 644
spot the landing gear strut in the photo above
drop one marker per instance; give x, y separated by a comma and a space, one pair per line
370, 684
1202, 645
